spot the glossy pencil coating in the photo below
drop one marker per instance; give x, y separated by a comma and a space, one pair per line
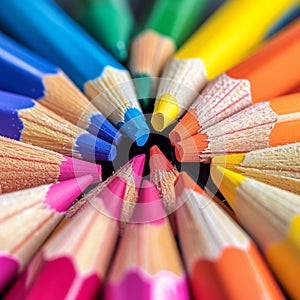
27, 218
81, 258
57, 37
273, 70
221, 259
26, 120
261, 125
24, 166
168, 25
26, 73
277, 166
110, 22
221, 42
271, 216
147, 264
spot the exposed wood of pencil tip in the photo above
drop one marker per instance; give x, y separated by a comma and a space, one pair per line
112, 93
149, 53
21, 164
44, 128
66, 100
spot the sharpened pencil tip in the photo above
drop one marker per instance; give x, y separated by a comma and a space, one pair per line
165, 112
144, 85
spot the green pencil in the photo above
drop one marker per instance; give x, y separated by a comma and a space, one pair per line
110, 22
169, 24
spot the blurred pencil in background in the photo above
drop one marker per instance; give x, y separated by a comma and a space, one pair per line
169, 23
110, 22
222, 41
47, 29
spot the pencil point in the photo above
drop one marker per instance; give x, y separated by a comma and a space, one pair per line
158, 161
144, 87
227, 182
137, 164
228, 161
120, 51
78, 168
184, 181
135, 126
103, 129
149, 208
165, 112
61, 195
93, 148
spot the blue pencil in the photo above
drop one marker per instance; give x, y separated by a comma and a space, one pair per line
46, 28
26, 73
24, 119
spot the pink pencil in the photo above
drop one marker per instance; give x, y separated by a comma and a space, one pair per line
27, 218
132, 173
73, 263
147, 264
23, 166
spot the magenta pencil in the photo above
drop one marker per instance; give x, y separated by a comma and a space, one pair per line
27, 218
74, 261
147, 263
23, 166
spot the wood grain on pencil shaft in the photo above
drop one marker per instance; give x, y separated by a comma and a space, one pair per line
277, 166
216, 249
273, 70
259, 126
271, 216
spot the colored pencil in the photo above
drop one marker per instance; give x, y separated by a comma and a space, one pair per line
131, 173
26, 120
26, 73
163, 174
273, 70
277, 166
220, 43
168, 25
24, 166
261, 125
110, 22
222, 261
147, 263
47, 29
27, 217
82, 259
271, 216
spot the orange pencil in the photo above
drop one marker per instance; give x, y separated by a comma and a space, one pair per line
272, 71
27, 218
261, 125
272, 217
222, 261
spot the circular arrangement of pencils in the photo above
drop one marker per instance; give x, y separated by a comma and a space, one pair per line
149, 152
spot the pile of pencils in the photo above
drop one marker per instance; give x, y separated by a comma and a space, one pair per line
223, 81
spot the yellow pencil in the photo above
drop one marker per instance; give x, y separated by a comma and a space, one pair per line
272, 217
278, 166
224, 39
